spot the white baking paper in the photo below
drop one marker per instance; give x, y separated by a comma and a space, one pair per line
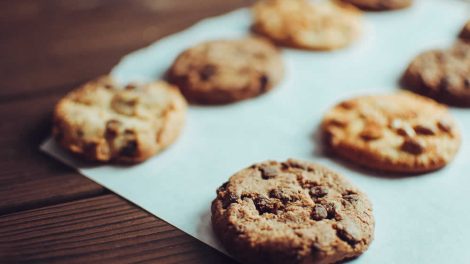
420, 219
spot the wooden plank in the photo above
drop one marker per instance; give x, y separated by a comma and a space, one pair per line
53, 43
30, 178
104, 229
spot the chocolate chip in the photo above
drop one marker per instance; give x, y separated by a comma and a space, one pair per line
279, 194
207, 71
268, 172
346, 237
112, 128
403, 129
424, 130
318, 191
412, 146
338, 122
467, 83
229, 199
130, 149
263, 82
371, 131
331, 210
80, 133
265, 205
319, 212
444, 126
222, 187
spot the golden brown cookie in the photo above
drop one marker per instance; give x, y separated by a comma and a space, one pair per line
226, 71
291, 212
442, 74
380, 5
401, 132
325, 25
465, 32
103, 122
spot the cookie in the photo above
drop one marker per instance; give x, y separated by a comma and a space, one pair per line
442, 74
380, 5
102, 122
324, 25
227, 71
291, 212
465, 32
401, 132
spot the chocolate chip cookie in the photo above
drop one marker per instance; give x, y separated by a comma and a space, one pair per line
324, 25
291, 212
226, 71
442, 74
401, 132
104, 122
380, 5
465, 32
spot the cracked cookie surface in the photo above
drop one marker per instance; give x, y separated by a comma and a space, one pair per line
102, 122
292, 212
302, 24
380, 5
226, 71
442, 74
401, 132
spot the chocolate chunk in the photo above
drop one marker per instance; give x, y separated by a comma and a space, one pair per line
444, 126
318, 191
265, 205
229, 199
403, 129
371, 131
207, 72
346, 237
413, 146
222, 187
263, 82
424, 130
319, 212
268, 172
331, 210
279, 194
112, 128
130, 149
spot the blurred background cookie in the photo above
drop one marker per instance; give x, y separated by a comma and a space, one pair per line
226, 71
103, 122
441, 74
324, 25
465, 32
292, 212
380, 5
402, 132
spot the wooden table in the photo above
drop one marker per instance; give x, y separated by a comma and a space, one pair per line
48, 212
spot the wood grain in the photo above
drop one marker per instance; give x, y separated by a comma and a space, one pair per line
102, 229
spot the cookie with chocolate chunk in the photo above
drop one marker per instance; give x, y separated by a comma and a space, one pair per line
104, 122
291, 212
324, 25
226, 71
380, 5
401, 132
442, 74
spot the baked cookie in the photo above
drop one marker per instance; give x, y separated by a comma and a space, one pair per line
226, 71
401, 132
102, 122
325, 25
380, 5
465, 32
442, 74
291, 212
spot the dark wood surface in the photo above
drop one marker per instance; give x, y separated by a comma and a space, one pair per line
48, 212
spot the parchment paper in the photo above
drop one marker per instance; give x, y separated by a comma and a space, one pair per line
419, 219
